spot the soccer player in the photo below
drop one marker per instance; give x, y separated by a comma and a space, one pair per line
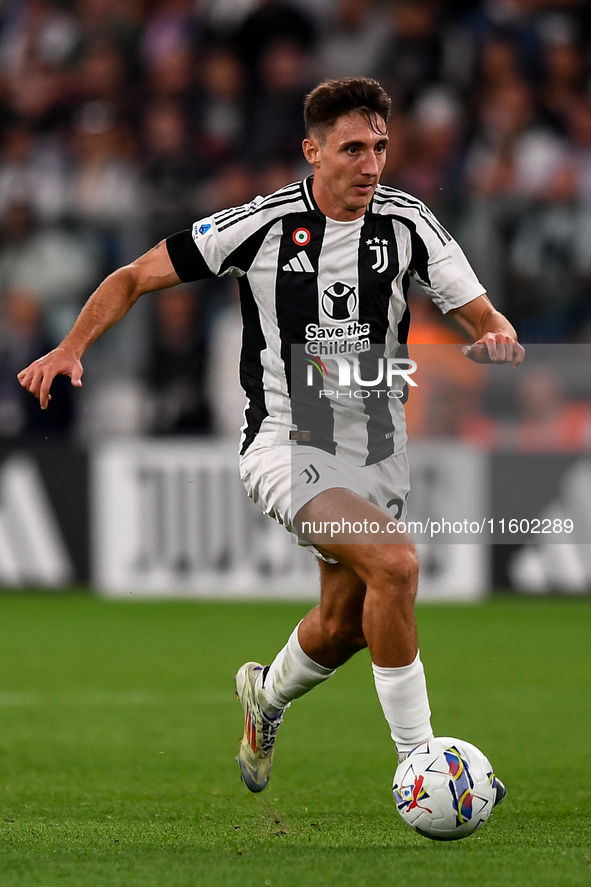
333, 252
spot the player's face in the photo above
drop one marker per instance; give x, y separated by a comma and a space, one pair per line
347, 165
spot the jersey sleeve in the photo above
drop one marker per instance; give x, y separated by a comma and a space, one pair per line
429, 253
440, 266
186, 259
210, 247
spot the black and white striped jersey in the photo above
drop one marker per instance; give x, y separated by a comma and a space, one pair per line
330, 288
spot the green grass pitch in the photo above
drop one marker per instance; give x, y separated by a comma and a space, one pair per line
119, 728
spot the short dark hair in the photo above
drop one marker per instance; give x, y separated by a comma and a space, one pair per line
333, 99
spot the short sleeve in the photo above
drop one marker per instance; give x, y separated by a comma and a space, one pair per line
186, 258
440, 265
212, 247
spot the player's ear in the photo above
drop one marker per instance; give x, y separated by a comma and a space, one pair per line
311, 149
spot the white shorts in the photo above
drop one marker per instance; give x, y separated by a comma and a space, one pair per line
282, 478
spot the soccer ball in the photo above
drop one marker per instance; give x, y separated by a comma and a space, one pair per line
445, 789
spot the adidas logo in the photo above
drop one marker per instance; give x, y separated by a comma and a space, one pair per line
301, 262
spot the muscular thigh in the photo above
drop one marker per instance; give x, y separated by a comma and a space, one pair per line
373, 547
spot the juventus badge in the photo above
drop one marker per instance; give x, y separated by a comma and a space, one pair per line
380, 248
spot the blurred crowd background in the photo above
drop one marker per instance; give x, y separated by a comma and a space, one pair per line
123, 121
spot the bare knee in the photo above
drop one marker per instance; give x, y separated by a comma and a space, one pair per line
396, 571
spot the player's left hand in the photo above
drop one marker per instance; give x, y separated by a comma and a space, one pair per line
495, 348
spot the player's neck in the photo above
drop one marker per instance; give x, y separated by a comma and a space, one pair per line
331, 207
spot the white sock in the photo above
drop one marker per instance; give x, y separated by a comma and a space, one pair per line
403, 695
291, 674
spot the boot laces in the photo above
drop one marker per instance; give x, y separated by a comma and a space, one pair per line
269, 731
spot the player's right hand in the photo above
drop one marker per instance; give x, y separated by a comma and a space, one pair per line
495, 348
39, 375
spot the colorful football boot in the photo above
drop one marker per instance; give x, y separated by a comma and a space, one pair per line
500, 790
260, 731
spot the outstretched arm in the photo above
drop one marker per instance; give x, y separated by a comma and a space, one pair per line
495, 340
107, 305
